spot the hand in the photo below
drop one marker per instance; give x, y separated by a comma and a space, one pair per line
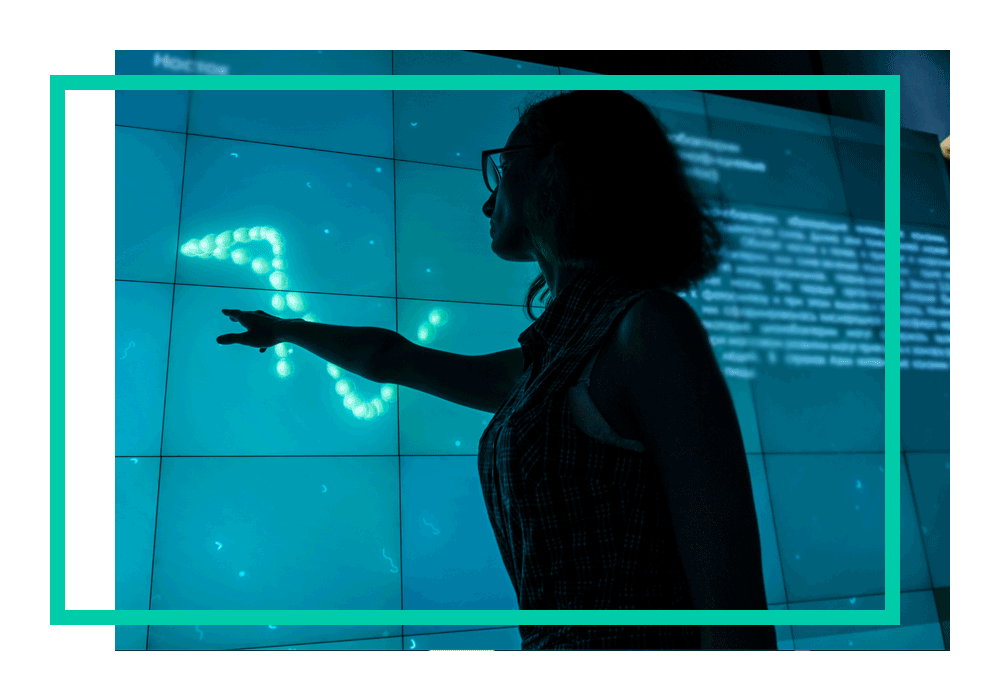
262, 329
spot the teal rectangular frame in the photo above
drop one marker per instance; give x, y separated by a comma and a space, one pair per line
59, 615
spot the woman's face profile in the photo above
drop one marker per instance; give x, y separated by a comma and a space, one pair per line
505, 207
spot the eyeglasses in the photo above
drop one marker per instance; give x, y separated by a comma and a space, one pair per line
491, 168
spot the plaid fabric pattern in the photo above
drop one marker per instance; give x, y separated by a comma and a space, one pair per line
581, 525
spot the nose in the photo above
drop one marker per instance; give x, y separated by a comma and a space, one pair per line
488, 206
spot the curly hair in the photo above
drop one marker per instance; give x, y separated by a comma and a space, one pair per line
615, 197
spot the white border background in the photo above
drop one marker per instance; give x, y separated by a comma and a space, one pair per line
81, 40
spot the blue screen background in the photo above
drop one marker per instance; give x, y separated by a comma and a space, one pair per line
280, 481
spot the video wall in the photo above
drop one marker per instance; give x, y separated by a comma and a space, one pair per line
280, 481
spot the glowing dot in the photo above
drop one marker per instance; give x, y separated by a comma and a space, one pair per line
438, 317
295, 302
378, 170
279, 280
426, 332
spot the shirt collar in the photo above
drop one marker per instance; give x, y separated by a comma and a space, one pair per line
572, 308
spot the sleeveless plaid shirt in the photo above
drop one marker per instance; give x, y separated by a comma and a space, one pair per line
581, 525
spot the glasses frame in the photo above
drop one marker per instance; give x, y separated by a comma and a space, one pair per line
487, 154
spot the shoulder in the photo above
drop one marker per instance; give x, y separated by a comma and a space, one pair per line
661, 347
658, 317
660, 300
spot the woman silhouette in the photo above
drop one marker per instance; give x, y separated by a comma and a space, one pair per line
614, 473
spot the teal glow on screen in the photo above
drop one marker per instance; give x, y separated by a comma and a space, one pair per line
279, 481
